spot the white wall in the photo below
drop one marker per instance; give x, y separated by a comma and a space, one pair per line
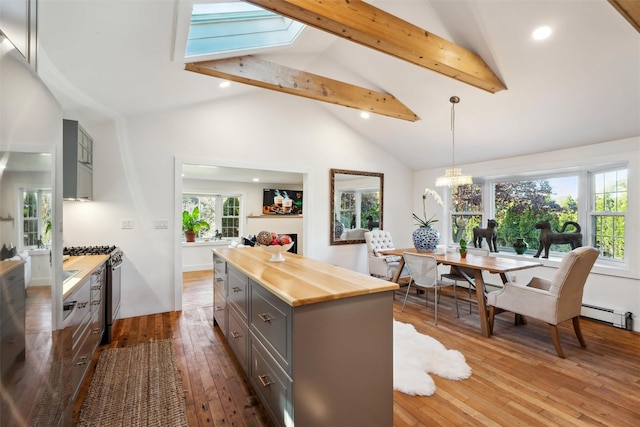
134, 178
610, 287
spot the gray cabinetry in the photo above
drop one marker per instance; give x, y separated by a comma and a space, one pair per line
77, 162
84, 325
237, 303
98, 293
309, 363
12, 316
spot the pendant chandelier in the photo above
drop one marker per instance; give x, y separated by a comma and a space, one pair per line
453, 176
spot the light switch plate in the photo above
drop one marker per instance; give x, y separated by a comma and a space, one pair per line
127, 223
161, 224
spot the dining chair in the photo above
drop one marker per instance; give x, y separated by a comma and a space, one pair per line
552, 301
456, 277
423, 270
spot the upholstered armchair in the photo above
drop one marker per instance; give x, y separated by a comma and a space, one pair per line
552, 301
381, 266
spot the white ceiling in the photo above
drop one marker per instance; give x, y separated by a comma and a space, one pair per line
105, 58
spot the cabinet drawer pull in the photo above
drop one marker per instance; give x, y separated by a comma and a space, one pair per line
96, 302
265, 317
235, 334
81, 363
265, 380
218, 308
96, 330
13, 340
236, 289
97, 288
82, 304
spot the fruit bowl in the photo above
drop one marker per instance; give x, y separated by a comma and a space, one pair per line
276, 251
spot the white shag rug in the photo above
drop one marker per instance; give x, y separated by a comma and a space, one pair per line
415, 356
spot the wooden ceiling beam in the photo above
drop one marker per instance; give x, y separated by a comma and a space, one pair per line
630, 9
367, 25
257, 72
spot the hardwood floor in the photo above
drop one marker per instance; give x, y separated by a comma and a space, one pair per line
517, 378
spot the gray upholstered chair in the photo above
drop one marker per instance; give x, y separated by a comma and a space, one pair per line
423, 270
552, 301
381, 266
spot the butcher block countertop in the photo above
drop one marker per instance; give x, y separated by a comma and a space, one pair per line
298, 280
86, 264
7, 266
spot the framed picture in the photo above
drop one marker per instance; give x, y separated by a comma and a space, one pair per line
281, 202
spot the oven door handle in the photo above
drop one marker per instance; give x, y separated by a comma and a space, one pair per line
117, 266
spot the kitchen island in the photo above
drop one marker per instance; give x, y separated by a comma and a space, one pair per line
315, 340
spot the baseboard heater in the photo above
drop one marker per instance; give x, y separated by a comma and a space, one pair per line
617, 318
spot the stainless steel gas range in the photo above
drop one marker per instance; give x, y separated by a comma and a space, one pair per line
114, 284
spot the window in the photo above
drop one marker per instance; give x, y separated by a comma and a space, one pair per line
222, 212
609, 207
519, 203
36, 218
230, 217
237, 26
356, 206
466, 211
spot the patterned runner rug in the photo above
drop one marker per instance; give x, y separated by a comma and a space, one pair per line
135, 386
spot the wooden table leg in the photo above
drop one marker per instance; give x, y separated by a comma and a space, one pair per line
482, 304
396, 277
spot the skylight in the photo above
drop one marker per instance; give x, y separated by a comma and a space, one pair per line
236, 26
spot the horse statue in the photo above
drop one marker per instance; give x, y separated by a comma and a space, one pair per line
548, 237
488, 233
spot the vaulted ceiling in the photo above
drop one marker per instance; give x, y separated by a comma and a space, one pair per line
581, 86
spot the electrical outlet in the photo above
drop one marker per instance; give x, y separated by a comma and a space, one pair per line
161, 224
127, 223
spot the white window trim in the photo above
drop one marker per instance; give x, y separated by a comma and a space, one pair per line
584, 173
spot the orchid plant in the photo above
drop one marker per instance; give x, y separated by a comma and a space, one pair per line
424, 222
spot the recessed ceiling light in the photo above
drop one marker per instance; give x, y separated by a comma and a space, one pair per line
541, 33
364, 115
256, 179
224, 84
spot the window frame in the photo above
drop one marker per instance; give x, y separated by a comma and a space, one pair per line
592, 214
219, 199
586, 196
40, 224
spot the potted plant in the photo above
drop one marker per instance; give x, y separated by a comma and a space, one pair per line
463, 248
192, 223
425, 238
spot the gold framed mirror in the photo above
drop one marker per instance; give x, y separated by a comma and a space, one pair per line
356, 205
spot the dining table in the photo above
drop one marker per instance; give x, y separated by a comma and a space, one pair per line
476, 263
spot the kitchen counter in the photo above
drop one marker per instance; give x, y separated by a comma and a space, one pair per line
299, 280
7, 266
85, 264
